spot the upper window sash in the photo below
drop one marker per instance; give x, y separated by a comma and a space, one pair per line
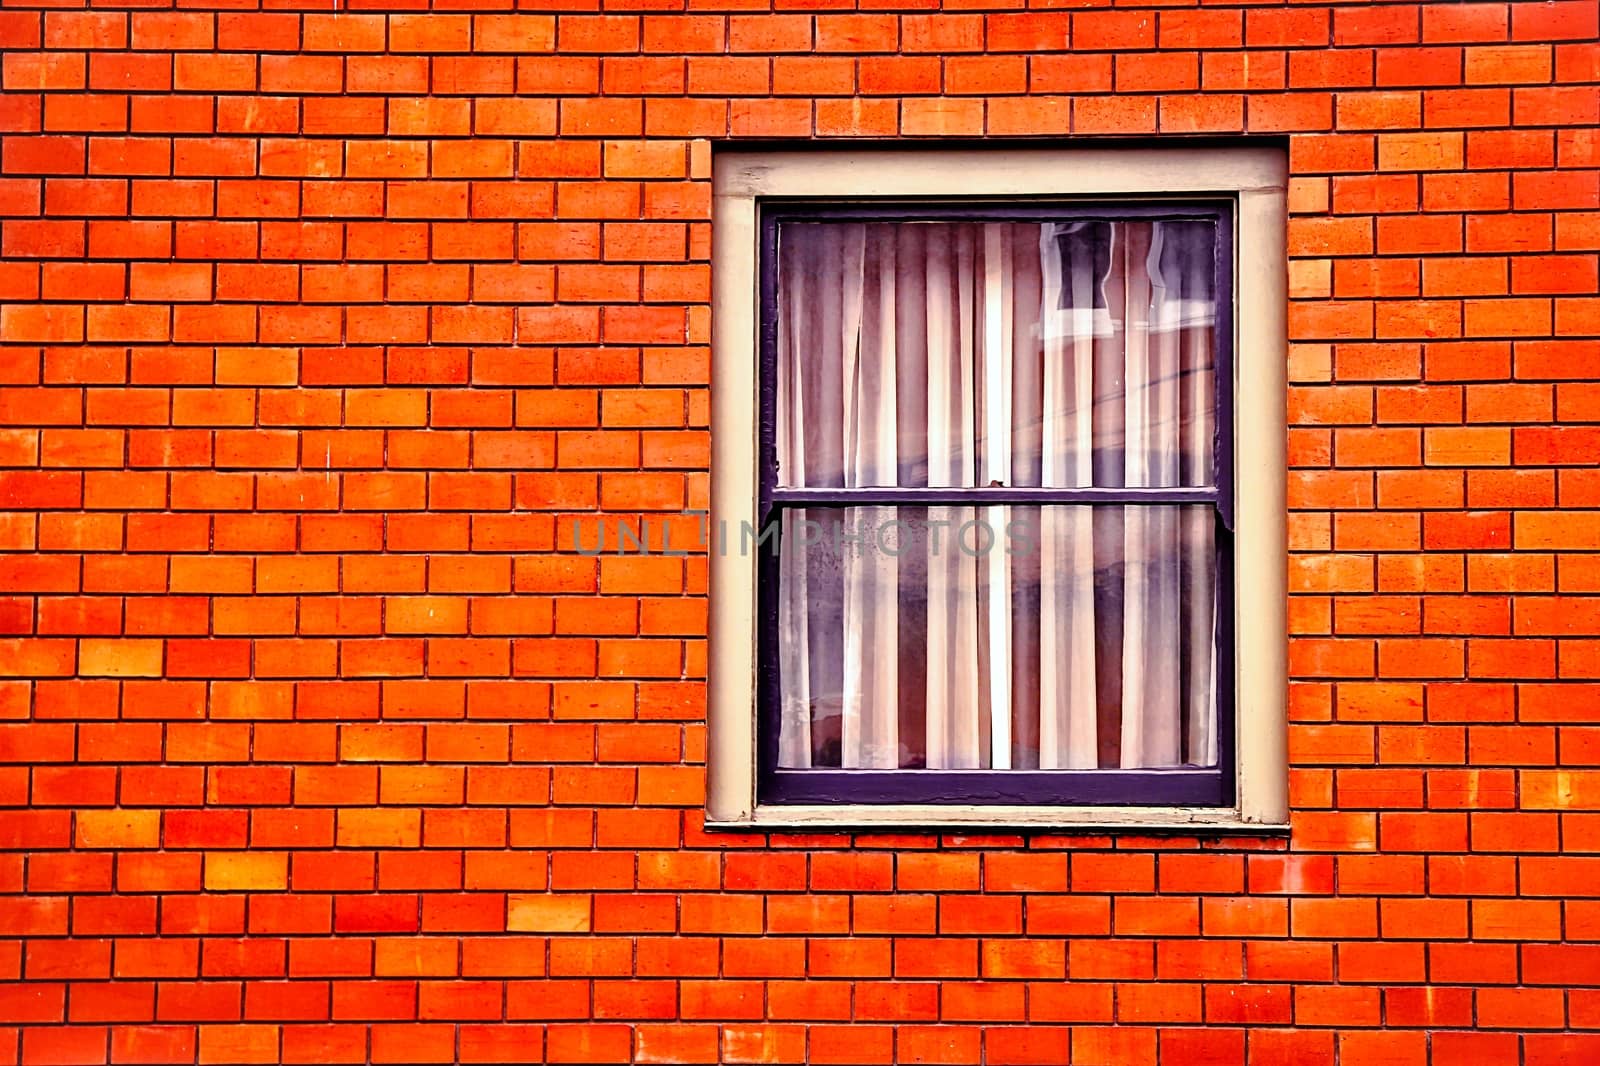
1219, 211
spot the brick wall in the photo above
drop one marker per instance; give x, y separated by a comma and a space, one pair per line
319, 744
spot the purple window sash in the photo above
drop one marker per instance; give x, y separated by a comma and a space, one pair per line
1188, 786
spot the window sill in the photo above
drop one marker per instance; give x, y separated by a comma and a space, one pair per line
913, 816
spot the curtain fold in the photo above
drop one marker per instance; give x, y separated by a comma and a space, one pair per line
959, 354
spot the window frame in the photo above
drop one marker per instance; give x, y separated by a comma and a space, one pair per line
1197, 786
753, 194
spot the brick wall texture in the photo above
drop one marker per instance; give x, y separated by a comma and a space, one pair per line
318, 742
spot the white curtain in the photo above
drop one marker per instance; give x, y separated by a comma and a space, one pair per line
977, 354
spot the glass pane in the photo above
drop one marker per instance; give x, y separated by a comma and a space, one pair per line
994, 638
940, 354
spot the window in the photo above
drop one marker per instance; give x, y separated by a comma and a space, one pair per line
983, 549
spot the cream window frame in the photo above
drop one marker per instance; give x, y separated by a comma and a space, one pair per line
1256, 179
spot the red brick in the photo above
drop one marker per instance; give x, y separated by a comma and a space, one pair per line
325, 481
